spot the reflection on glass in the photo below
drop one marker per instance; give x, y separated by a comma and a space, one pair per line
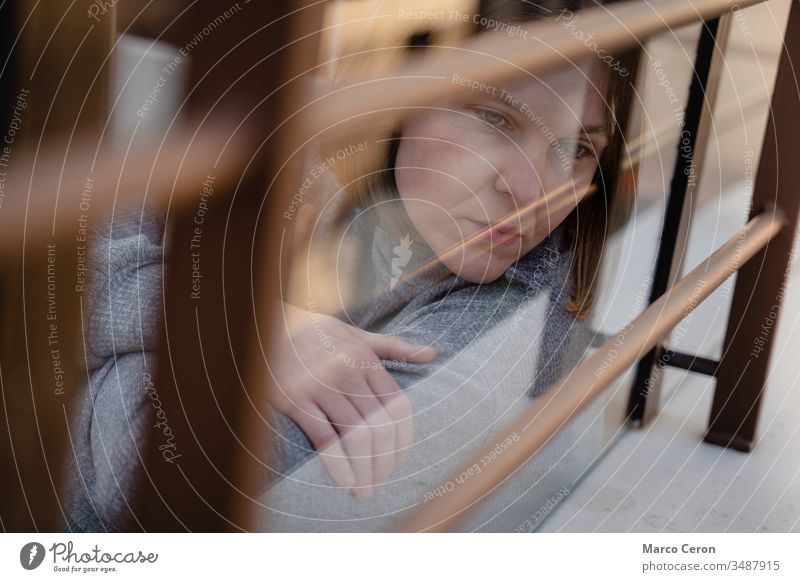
446, 278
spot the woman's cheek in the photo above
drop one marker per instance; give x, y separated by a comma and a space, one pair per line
438, 172
417, 166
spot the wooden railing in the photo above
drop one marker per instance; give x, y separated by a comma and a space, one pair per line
550, 412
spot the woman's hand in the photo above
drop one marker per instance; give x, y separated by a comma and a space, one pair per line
331, 382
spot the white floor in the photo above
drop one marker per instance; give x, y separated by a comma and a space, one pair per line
663, 478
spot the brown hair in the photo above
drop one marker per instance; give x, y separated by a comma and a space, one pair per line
368, 177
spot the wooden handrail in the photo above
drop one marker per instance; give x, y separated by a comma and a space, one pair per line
494, 58
549, 413
49, 183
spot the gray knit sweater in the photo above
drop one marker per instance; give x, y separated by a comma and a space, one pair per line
499, 345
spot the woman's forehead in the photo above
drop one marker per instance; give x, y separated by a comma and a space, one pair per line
578, 81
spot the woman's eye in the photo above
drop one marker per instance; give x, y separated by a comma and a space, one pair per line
576, 150
493, 118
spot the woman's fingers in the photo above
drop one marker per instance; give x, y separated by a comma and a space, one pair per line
384, 406
382, 428
390, 347
325, 439
397, 405
356, 437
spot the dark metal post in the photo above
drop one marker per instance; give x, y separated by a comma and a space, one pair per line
646, 389
760, 285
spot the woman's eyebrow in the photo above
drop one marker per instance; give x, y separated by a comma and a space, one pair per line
599, 128
504, 97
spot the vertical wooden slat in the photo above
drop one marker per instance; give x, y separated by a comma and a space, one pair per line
205, 377
760, 285
55, 87
272, 252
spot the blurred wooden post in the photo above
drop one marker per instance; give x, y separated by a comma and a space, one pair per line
760, 285
54, 87
240, 56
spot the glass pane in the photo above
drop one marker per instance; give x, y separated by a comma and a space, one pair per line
475, 226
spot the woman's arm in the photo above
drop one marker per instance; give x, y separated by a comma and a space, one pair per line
122, 307
111, 419
457, 405
498, 346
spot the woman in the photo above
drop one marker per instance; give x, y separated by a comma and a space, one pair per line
481, 272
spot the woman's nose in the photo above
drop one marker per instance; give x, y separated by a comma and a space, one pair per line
523, 175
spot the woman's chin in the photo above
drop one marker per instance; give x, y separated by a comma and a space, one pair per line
480, 270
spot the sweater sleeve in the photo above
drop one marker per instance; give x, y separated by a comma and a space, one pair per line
108, 427
122, 308
125, 293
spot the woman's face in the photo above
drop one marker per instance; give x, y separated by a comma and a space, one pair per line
461, 170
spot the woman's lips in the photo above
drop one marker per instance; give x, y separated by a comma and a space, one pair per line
499, 237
